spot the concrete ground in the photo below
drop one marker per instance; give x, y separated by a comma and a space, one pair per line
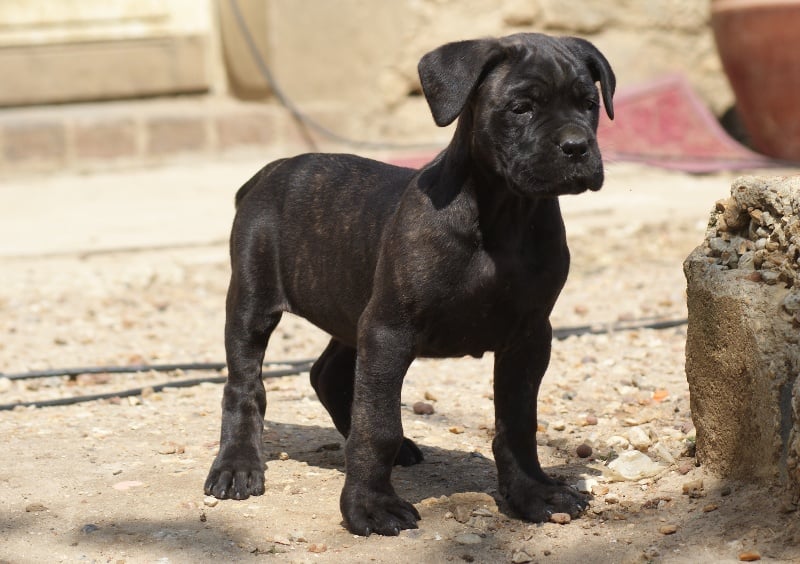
129, 266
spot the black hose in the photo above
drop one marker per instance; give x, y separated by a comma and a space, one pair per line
134, 368
297, 367
565, 332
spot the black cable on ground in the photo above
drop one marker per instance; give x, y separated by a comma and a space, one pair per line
295, 366
565, 332
134, 368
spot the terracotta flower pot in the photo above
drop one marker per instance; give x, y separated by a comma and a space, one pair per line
759, 44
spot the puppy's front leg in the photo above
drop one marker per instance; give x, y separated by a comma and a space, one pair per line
518, 372
369, 503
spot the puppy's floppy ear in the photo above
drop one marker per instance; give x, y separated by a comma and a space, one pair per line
450, 73
598, 66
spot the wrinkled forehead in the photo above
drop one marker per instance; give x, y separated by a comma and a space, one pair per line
540, 62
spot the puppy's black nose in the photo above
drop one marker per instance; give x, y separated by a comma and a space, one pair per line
574, 145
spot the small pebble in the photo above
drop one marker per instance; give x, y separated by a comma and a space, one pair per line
91, 379
35, 507
559, 425
89, 528
660, 395
210, 501
283, 456
317, 548
749, 556
617, 442
581, 309
685, 468
693, 488
651, 553
429, 396
462, 513
422, 408
599, 489
639, 438
591, 419
710, 507
753, 277
171, 448
560, 518
586, 485
583, 451
482, 512
668, 529
456, 430
520, 557
468, 538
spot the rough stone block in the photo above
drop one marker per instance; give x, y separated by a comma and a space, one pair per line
34, 141
247, 128
176, 135
106, 139
742, 353
99, 70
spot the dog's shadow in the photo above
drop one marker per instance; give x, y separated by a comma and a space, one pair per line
443, 472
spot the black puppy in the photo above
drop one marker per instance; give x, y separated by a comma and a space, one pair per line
464, 256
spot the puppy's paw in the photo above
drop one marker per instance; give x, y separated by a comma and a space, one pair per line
409, 454
366, 512
235, 475
537, 501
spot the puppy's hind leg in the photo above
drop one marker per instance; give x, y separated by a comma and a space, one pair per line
238, 470
332, 377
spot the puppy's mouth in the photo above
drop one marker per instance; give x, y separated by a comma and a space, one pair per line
560, 181
581, 183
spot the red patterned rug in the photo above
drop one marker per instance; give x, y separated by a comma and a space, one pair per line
663, 123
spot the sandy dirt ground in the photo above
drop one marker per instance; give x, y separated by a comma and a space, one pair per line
130, 267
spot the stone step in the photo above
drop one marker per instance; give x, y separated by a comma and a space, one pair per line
103, 135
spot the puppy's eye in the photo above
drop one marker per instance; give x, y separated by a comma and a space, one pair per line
591, 104
522, 108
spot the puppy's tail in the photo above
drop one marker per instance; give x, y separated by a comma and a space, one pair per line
250, 184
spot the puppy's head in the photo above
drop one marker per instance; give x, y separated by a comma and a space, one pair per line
529, 107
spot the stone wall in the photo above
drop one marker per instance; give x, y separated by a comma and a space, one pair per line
352, 63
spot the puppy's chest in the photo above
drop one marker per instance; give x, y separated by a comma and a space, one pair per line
487, 302
501, 283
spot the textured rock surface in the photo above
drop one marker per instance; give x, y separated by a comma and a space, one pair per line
742, 354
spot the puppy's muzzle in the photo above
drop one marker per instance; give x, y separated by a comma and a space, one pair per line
574, 143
